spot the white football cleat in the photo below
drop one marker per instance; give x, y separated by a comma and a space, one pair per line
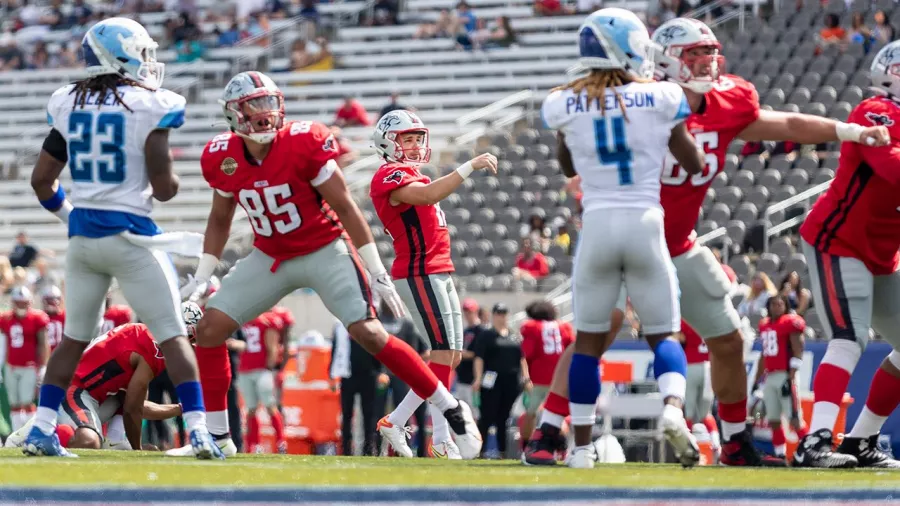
582, 457
123, 445
225, 445
469, 441
446, 450
396, 437
680, 437
17, 438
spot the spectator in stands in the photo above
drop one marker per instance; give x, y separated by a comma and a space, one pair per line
832, 34
883, 30
531, 265
351, 114
304, 59
537, 230
40, 57
466, 24
66, 56
548, 7
563, 240
393, 105
859, 32
229, 37
311, 16
23, 253
346, 153
190, 48
500, 35
11, 57
465, 373
797, 296
80, 10
500, 374
384, 13
753, 306
443, 27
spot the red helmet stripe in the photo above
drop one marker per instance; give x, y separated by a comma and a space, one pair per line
256, 79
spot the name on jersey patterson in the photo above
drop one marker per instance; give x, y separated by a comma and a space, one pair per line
581, 104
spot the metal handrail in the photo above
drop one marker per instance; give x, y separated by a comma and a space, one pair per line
491, 109
771, 231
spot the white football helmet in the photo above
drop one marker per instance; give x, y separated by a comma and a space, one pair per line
253, 106
51, 299
191, 314
696, 73
615, 38
386, 138
21, 298
885, 71
123, 47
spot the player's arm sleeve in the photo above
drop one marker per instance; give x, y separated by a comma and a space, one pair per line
163, 110
675, 108
552, 110
210, 167
320, 148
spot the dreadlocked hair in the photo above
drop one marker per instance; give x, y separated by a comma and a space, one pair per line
103, 85
596, 83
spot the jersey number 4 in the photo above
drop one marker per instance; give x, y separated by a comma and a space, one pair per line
612, 146
88, 164
257, 203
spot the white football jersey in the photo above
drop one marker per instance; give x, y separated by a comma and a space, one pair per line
619, 158
106, 144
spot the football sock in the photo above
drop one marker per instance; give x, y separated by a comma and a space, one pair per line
191, 396
831, 380
115, 430
734, 418
710, 423
51, 397
584, 388
884, 397
402, 413
440, 431
670, 368
252, 432
551, 419
442, 399
277, 426
409, 367
778, 441
215, 378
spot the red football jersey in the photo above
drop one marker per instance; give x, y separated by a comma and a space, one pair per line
542, 344
254, 358
728, 109
55, 329
21, 336
287, 318
288, 216
420, 234
859, 215
694, 348
776, 340
115, 316
105, 368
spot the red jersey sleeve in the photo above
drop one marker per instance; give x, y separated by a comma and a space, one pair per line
214, 164
733, 105
313, 141
566, 333
884, 159
41, 320
798, 324
531, 338
391, 177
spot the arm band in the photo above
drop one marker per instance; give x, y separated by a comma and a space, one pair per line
465, 170
795, 362
56, 201
55, 146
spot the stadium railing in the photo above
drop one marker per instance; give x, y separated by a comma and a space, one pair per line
770, 230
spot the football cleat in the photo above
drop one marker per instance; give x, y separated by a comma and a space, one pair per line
204, 446
226, 446
867, 452
38, 444
446, 450
466, 433
681, 438
396, 437
814, 450
739, 451
281, 447
17, 438
582, 457
544, 447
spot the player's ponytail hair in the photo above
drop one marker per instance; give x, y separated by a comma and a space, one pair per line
103, 85
596, 84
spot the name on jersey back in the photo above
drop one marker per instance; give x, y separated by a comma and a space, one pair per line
96, 99
581, 104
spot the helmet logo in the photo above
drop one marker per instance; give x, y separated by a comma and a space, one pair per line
879, 119
670, 33
388, 121
395, 177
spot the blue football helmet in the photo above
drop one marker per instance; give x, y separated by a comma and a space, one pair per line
122, 46
614, 38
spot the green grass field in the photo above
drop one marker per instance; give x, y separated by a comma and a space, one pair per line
151, 469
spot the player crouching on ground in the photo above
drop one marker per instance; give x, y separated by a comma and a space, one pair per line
124, 360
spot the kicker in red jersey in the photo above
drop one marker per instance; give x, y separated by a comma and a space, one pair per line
776, 340
420, 234
859, 215
694, 348
728, 109
289, 217
55, 326
255, 357
22, 336
543, 342
105, 368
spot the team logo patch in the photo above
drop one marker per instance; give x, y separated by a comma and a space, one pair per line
879, 119
330, 144
669, 34
395, 177
229, 165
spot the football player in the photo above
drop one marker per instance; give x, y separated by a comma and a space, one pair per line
115, 315
851, 240
283, 174
25, 329
614, 125
51, 303
112, 129
408, 204
256, 381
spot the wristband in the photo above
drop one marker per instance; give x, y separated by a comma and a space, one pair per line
56, 201
795, 362
63, 212
848, 131
369, 254
206, 267
465, 170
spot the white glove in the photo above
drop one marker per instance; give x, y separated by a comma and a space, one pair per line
386, 290
194, 289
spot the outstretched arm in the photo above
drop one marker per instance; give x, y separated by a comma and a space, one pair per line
421, 194
808, 129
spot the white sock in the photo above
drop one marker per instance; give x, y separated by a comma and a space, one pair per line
583, 414
440, 430
18, 418
554, 419
780, 450
824, 416
196, 420
442, 399
731, 428
672, 384
715, 440
115, 430
405, 409
45, 420
216, 422
868, 424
